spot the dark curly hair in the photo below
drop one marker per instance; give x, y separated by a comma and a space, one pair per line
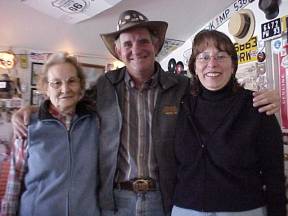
222, 42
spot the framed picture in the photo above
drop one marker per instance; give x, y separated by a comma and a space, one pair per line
92, 73
36, 70
36, 97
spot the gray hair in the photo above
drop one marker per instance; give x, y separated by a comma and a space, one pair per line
60, 58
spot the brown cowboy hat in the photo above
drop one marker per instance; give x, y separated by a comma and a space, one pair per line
131, 19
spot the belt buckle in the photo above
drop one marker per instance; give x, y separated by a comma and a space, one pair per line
140, 185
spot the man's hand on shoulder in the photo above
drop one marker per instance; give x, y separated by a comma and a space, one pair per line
267, 101
20, 120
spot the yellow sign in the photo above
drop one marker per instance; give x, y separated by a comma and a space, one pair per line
284, 23
247, 52
23, 61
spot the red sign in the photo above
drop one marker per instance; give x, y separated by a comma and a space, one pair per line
283, 76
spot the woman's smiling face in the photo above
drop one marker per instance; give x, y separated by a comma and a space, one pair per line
214, 68
63, 89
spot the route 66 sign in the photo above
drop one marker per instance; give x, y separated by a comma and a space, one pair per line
70, 6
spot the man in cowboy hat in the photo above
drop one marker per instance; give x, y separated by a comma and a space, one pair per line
138, 103
137, 107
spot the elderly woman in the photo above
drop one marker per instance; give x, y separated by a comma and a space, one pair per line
57, 164
230, 155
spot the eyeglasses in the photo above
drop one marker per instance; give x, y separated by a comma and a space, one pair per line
206, 57
57, 84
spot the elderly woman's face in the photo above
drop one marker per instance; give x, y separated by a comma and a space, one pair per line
63, 89
213, 68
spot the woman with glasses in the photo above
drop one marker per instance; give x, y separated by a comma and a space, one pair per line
53, 171
230, 156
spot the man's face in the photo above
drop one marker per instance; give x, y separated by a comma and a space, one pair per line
137, 51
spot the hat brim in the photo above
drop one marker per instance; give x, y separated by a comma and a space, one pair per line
158, 28
251, 29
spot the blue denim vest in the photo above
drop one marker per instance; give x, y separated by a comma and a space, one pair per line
61, 177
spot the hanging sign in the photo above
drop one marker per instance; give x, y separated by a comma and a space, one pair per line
283, 79
247, 52
71, 11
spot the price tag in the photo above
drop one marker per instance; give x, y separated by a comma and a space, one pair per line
271, 29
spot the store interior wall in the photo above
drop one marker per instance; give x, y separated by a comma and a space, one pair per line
183, 52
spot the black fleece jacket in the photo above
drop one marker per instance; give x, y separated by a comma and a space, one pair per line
230, 157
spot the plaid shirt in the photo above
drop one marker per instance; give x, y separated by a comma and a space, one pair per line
11, 199
10, 202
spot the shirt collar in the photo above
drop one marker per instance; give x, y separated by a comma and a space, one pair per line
65, 119
151, 83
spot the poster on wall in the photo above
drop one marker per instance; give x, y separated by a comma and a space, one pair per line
283, 79
247, 75
36, 70
92, 73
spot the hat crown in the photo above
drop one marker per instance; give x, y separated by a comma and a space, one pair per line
236, 30
270, 8
241, 26
238, 23
130, 17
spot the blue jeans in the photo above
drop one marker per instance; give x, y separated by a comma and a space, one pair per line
130, 203
177, 211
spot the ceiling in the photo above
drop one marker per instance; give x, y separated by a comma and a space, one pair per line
23, 26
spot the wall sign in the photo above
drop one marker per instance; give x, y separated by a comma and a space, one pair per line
227, 13
283, 78
247, 52
277, 45
271, 29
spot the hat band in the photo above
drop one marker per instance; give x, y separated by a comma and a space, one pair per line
245, 30
130, 23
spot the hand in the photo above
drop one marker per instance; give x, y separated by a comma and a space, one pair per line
267, 101
20, 120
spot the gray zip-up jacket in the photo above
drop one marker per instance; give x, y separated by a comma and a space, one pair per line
109, 92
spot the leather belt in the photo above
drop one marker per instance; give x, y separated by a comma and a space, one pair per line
138, 185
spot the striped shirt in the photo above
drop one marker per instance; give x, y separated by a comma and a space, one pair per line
136, 155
